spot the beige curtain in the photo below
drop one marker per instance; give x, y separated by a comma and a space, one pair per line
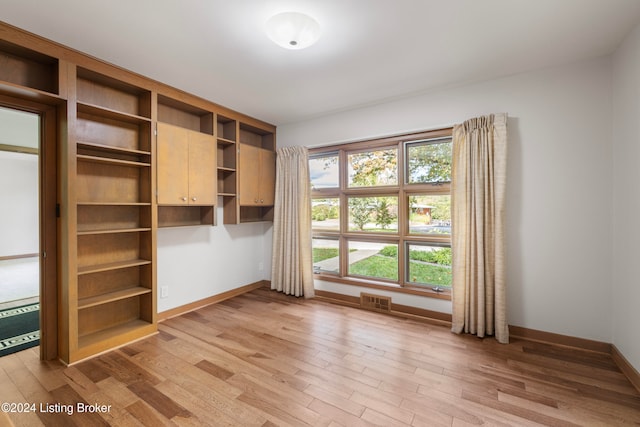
478, 182
292, 263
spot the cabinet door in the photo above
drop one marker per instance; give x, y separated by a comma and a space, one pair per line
249, 175
267, 177
173, 165
202, 169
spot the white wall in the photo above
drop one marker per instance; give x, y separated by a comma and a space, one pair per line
199, 262
626, 198
19, 206
559, 185
19, 210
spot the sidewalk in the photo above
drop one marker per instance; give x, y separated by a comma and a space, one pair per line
332, 264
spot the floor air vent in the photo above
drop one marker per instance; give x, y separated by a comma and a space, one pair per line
375, 302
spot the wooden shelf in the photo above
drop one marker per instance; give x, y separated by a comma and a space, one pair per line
110, 161
28, 93
112, 266
98, 110
180, 216
111, 149
113, 231
112, 332
227, 194
112, 296
225, 141
226, 169
112, 204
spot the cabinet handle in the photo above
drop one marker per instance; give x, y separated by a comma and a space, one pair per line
255, 200
261, 201
184, 199
194, 199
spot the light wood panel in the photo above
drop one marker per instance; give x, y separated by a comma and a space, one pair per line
173, 165
263, 359
202, 169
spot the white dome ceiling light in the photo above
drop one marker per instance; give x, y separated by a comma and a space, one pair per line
293, 30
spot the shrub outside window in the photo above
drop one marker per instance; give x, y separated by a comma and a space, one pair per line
325, 214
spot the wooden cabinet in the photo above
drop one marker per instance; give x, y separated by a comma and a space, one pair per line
257, 176
186, 167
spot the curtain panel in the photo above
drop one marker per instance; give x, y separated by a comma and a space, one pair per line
292, 262
478, 184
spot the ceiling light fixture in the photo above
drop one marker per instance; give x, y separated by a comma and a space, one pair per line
293, 30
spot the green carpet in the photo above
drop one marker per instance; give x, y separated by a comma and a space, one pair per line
19, 328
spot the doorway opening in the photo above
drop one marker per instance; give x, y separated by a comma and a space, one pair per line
20, 250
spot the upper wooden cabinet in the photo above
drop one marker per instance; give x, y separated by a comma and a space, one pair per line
257, 176
186, 167
256, 173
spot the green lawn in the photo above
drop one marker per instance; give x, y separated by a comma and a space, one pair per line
376, 266
320, 254
384, 267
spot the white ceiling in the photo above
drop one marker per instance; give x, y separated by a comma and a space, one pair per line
370, 50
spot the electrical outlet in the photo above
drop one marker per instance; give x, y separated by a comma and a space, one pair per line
260, 266
164, 291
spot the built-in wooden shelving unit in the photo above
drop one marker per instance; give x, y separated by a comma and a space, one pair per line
123, 141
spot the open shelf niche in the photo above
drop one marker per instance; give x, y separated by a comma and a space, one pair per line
25, 68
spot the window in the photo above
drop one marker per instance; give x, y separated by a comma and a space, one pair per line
387, 221
373, 168
325, 214
429, 161
323, 171
373, 214
326, 256
429, 214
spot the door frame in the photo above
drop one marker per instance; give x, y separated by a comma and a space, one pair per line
48, 183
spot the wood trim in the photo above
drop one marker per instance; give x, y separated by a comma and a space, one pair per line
391, 287
363, 144
627, 368
558, 339
177, 311
48, 233
514, 331
18, 149
398, 310
9, 257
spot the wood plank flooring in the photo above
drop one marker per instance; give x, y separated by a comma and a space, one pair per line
264, 359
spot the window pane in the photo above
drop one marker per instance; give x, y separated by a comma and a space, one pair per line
429, 265
375, 260
325, 214
323, 172
430, 214
373, 214
373, 168
326, 256
429, 161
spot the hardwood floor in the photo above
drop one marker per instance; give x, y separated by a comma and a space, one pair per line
264, 359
